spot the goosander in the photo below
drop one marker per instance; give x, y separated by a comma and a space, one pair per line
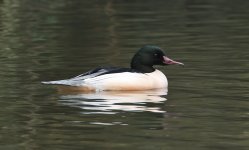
140, 76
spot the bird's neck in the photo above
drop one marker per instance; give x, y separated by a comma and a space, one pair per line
138, 66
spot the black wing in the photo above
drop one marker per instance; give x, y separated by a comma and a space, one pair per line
105, 70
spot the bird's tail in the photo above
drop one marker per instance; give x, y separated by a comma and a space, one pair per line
69, 82
58, 82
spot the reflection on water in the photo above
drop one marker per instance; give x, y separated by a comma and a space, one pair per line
107, 102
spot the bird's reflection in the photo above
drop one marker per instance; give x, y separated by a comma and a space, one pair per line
112, 102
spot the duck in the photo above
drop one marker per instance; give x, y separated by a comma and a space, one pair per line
140, 76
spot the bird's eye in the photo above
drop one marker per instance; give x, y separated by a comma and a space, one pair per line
155, 54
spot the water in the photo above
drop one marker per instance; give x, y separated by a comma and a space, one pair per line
207, 103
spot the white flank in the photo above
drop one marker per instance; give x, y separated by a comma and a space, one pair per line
118, 81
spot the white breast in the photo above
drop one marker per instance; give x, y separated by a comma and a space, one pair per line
127, 81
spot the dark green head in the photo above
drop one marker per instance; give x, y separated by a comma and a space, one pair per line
148, 56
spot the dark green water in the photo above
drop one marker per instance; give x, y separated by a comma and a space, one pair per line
207, 104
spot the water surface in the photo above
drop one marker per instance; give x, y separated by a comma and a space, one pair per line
207, 103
